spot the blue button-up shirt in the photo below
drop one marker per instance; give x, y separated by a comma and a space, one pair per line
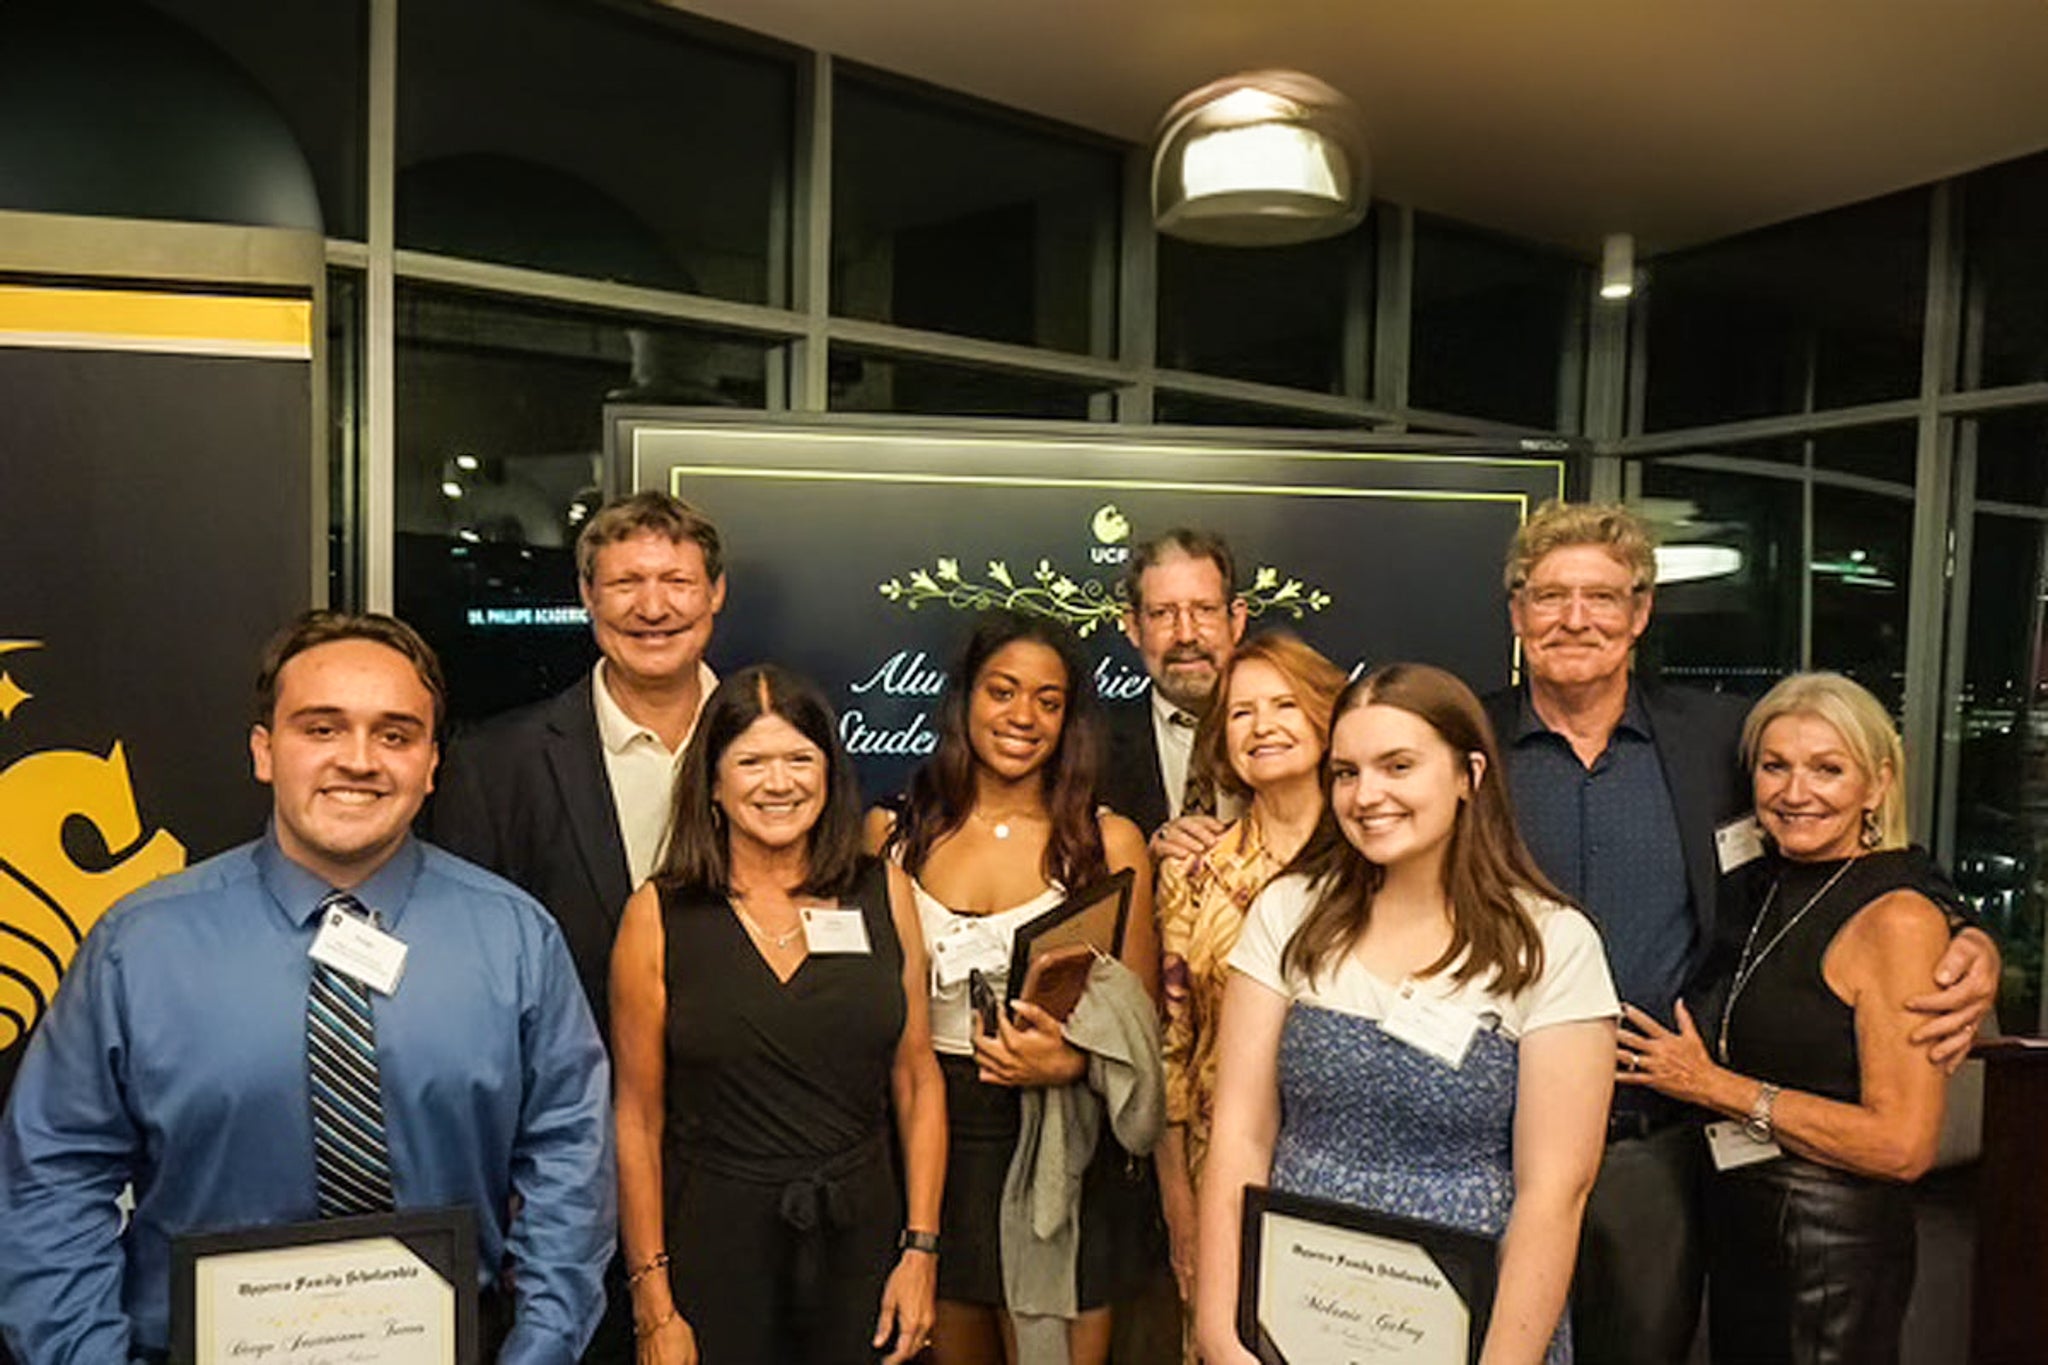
174, 1055
1607, 835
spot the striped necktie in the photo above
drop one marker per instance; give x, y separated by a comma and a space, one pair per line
351, 1166
1198, 794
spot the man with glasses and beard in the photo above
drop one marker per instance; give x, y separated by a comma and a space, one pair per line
1184, 616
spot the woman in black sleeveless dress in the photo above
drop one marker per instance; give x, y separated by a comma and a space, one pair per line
768, 1007
1830, 1110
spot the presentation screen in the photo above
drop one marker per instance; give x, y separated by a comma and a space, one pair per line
859, 555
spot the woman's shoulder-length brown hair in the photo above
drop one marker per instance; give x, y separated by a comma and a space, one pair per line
699, 858
1488, 873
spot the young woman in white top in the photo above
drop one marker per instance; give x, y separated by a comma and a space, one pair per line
1416, 896
997, 826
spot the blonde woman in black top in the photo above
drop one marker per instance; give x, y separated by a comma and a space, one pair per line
1828, 1109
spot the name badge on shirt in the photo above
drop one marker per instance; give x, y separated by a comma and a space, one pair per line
967, 946
1441, 1029
834, 931
357, 948
1731, 1146
1738, 843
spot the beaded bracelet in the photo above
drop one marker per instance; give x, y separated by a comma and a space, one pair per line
644, 1330
634, 1277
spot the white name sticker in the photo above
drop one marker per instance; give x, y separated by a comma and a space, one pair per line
968, 946
357, 948
834, 931
1732, 1147
1442, 1030
1738, 843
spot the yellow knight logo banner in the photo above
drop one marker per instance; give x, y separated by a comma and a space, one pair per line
47, 901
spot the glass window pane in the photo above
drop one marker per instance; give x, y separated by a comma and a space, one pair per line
1274, 315
1822, 312
1861, 570
956, 222
1888, 452
217, 111
499, 450
312, 59
2001, 797
1730, 619
1492, 321
588, 140
864, 382
1734, 615
2006, 212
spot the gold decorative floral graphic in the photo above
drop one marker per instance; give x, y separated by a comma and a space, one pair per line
1084, 604
47, 901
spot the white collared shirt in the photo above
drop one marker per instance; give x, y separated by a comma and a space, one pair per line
1176, 751
642, 771
1176, 746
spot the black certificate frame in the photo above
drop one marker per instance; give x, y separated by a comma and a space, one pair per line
1467, 1259
444, 1238
1039, 934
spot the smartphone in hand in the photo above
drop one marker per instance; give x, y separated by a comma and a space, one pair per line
982, 997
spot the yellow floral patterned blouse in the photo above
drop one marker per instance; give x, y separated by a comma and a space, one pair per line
1201, 908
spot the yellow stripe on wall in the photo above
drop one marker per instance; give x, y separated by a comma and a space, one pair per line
140, 320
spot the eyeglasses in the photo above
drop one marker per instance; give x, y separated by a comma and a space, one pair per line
1203, 616
1602, 604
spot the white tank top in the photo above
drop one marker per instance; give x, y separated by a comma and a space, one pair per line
952, 1013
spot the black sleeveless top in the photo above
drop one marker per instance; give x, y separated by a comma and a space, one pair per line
1786, 1026
765, 1075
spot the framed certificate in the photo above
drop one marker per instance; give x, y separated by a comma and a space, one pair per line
1323, 1283
386, 1289
1095, 915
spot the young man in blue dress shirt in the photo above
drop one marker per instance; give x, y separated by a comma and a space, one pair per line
175, 1056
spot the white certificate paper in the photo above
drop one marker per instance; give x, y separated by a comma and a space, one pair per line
371, 1301
1338, 1296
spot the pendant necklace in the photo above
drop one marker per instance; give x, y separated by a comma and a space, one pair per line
1751, 959
776, 941
999, 825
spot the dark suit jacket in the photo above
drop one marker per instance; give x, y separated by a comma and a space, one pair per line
1698, 738
525, 794
1131, 785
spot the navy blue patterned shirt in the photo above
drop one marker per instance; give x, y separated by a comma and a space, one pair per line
1608, 837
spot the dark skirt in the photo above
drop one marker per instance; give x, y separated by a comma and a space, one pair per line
1807, 1265
1120, 1242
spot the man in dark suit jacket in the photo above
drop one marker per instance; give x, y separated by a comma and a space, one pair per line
1184, 617
570, 798
1633, 799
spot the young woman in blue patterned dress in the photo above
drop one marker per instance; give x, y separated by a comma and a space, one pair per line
1415, 889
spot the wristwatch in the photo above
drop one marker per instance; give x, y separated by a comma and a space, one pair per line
1758, 1125
911, 1240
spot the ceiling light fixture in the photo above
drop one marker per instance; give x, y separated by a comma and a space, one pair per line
1264, 158
1618, 266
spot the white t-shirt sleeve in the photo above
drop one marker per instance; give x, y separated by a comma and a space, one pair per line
1575, 984
1276, 913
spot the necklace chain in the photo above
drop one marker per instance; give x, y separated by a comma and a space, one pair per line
999, 825
777, 941
1751, 960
